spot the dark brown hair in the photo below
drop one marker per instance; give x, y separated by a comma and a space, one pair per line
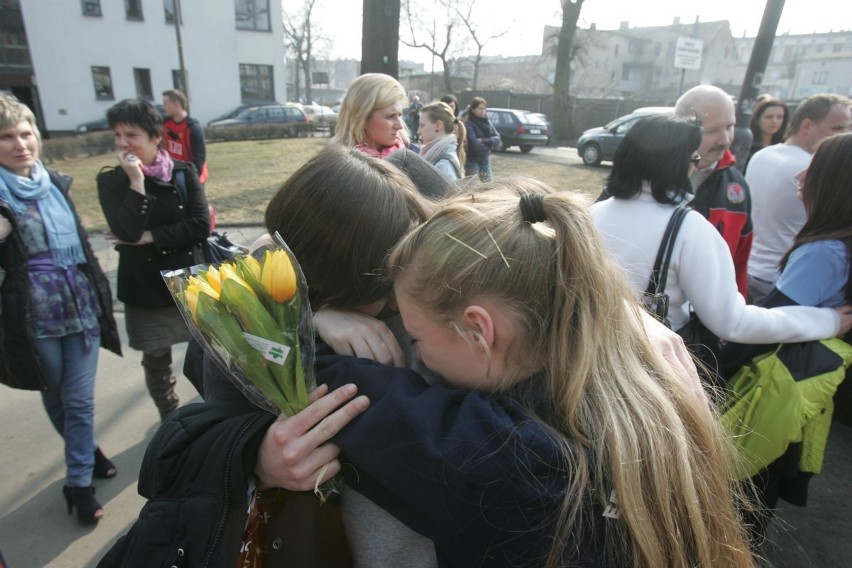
341, 213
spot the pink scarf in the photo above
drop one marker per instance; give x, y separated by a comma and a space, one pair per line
161, 168
384, 152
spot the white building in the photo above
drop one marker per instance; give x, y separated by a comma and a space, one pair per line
85, 55
804, 64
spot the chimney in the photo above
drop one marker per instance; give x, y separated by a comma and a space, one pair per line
625, 25
593, 26
676, 21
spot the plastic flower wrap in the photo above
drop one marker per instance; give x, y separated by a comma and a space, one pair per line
251, 314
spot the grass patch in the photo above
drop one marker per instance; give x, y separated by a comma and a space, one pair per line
245, 174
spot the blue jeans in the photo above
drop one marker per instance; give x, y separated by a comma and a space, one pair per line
70, 400
478, 168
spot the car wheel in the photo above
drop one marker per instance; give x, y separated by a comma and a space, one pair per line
591, 155
526, 148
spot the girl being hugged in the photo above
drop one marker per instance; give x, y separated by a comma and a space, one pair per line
443, 138
563, 438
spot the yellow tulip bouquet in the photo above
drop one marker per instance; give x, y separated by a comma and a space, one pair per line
251, 314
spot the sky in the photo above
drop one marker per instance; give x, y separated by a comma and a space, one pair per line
340, 20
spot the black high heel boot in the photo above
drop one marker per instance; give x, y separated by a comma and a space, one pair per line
104, 468
89, 511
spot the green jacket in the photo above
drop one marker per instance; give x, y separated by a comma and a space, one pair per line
785, 397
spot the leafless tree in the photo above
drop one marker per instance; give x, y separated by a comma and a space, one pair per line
562, 81
465, 12
299, 34
438, 34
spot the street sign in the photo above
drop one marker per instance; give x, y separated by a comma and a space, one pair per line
688, 53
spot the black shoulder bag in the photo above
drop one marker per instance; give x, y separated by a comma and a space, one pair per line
217, 247
654, 298
701, 342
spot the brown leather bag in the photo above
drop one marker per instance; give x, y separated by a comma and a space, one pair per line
299, 532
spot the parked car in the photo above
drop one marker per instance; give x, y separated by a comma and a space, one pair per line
546, 121
101, 124
600, 143
266, 114
240, 108
519, 128
321, 116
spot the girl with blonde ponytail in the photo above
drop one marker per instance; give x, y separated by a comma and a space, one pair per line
562, 438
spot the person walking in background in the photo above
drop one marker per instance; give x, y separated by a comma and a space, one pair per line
443, 137
157, 214
412, 117
482, 138
720, 191
184, 136
777, 212
768, 124
55, 303
371, 116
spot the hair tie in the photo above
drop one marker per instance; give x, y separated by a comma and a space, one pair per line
532, 208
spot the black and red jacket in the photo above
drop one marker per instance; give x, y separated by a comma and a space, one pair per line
725, 200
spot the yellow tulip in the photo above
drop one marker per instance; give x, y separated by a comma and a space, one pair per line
228, 272
212, 276
194, 287
252, 264
278, 276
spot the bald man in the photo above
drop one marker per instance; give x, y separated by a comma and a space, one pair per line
720, 191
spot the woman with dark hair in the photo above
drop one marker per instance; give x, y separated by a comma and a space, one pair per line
482, 138
649, 180
55, 303
768, 123
452, 102
157, 215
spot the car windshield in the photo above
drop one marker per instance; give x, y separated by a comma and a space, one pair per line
244, 114
533, 118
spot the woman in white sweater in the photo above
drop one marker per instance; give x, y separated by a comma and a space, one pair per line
649, 179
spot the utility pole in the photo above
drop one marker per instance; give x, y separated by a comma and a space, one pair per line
184, 83
754, 77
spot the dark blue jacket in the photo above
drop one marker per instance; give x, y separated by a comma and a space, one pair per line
472, 472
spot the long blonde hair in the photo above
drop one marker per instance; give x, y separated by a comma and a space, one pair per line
367, 93
650, 439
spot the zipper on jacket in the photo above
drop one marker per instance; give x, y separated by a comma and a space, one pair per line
223, 519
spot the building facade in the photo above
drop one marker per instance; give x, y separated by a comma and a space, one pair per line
82, 56
805, 64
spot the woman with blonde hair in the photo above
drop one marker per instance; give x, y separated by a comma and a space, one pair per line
562, 437
371, 115
55, 303
443, 137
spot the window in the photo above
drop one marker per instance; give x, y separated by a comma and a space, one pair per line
820, 78
177, 80
103, 83
14, 53
625, 73
169, 7
252, 15
133, 9
142, 77
91, 7
256, 82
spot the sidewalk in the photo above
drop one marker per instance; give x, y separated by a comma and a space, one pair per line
35, 530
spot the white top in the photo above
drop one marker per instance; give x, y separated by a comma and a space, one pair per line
777, 213
701, 272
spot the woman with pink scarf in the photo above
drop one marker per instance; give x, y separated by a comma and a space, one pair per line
157, 215
371, 115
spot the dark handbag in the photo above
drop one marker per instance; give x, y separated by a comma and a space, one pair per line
218, 247
654, 298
